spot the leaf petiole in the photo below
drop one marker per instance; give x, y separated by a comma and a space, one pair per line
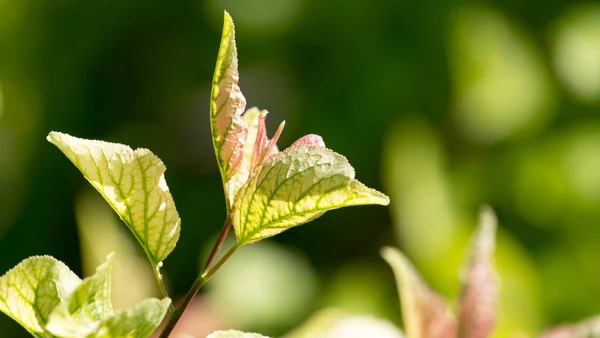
163, 288
219, 244
202, 279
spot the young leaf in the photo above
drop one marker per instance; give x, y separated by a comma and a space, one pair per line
133, 183
138, 322
478, 299
294, 187
32, 289
90, 303
426, 314
226, 107
234, 334
252, 121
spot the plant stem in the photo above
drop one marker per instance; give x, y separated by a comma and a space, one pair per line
202, 279
219, 244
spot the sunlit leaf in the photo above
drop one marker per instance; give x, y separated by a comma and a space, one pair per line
32, 289
87, 306
589, 328
234, 334
425, 313
294, 187
137, 322
476, 310
227, 104
133, 183
255, 147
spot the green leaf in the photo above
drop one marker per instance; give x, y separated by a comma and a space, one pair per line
226, 107
425, 313
294, 187
32, 289
133, 183
86, 308
138, 322
234, 334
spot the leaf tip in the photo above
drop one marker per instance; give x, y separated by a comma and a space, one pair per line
227, 19
53, 136
387, 252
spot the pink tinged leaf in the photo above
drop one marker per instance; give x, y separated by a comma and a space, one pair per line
589, 328
227, 105
264, 148
310, 140
261, 139
476, 309
272, 147
425, 313
233, 148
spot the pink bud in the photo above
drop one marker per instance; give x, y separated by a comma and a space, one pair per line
309, 140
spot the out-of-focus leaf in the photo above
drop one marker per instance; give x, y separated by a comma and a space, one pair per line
85, 308
227, 104
32, 289
100, 233
294, 187
283, 288
137, 322
502, 88
333, 323
476, 309
133, 183
589, 328
364, 326
234, 334
577, 50
426, 314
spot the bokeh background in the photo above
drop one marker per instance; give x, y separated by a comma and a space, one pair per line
443, 105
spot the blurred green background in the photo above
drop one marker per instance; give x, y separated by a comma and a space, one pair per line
443, 105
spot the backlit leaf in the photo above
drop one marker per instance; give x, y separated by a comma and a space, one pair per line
294, 187
137, 322
425, 313
227, 104
87, 306
133, 183
32, 289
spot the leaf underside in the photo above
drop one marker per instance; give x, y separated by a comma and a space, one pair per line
133, 183
294, 187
